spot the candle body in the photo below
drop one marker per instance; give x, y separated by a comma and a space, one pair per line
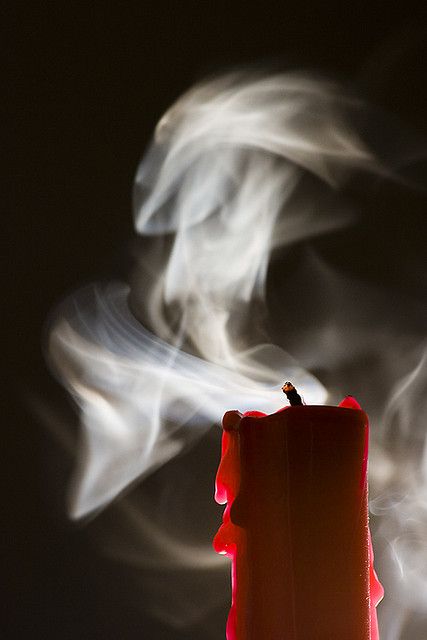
296, 524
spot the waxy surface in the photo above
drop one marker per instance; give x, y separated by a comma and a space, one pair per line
296, 524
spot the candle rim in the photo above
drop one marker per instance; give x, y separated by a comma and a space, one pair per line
232, 419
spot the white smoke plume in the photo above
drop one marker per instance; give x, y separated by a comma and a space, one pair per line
243, 170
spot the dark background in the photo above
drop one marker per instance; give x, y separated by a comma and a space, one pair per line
87, 86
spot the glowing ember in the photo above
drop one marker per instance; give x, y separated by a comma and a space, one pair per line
296, 524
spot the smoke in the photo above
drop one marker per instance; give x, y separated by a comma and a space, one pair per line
250, 180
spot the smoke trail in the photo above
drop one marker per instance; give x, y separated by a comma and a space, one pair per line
242, 170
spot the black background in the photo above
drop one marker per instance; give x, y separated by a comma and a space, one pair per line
87, 85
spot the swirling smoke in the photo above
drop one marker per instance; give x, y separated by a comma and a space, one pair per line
251, 178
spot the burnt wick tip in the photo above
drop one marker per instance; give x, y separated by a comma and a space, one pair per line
291, 394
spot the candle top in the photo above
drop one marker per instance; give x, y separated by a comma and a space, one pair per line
232, 418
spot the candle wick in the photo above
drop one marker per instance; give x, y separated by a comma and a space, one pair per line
291, 394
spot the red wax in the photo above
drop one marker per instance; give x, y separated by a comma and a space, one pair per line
296, 524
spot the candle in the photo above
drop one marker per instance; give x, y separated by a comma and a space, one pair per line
296, 524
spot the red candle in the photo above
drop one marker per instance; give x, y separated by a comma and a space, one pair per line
296, 524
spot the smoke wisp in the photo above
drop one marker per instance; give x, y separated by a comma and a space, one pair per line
231, 294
